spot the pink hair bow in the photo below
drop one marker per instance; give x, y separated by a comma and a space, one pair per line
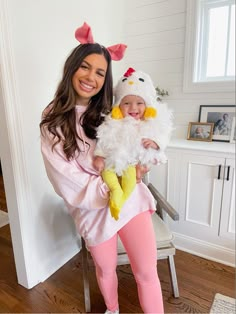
84, 35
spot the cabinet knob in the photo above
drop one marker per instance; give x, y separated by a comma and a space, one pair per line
219, 172
228, 171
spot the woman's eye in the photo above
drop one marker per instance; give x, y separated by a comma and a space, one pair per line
83, 66
101, 74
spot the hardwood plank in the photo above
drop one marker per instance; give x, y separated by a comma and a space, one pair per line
199, 279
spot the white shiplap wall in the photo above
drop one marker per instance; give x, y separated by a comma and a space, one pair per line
155, 35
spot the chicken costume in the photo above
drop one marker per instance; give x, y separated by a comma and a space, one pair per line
120, 138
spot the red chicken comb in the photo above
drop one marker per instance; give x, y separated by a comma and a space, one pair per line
129, 72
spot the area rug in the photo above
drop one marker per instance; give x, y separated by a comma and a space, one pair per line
3, 218
223, 304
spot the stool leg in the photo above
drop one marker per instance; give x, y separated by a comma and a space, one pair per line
174, 282
87, 301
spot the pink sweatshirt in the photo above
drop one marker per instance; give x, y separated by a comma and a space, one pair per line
85, 193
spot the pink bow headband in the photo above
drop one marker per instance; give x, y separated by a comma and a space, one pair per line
84, 35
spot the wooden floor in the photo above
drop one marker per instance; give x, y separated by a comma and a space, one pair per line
199, 280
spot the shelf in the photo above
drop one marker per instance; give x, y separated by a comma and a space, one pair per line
219, 147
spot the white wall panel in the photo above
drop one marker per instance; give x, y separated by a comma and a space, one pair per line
165, 52
156, 9
156, 39
150, 26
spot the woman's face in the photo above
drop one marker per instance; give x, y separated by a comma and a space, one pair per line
133, 106
88, 80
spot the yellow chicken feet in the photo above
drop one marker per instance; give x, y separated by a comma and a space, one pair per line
119, 193
128, 181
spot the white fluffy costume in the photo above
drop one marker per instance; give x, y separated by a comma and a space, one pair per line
120, 138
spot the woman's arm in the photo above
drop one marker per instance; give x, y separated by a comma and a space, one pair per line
76, 183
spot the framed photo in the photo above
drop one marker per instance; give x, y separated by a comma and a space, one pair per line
233, 132
222, 117
200, 131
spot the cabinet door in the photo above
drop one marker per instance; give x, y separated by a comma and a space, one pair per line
227, 225
164, 178
200, 196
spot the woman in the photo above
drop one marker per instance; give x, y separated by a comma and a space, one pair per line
68, 140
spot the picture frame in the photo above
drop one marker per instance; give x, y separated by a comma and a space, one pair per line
233, 132
200, 131
222, 117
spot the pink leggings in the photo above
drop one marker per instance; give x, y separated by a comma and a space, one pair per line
138, 239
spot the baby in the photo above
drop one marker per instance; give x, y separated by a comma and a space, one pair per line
136, 132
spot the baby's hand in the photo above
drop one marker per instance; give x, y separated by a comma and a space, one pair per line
99, 163
147, 143
141, 170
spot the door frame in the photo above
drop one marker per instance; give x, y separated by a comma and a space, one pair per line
11, 151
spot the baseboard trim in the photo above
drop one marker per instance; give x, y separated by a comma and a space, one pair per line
205, 249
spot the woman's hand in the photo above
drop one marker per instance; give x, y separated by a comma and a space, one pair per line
141, 170
99, 163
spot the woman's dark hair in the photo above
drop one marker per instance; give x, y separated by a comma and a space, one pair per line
60, 119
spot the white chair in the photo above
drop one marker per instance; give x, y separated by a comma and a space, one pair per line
165, 247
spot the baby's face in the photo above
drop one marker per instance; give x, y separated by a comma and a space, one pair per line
199, 130
133, 106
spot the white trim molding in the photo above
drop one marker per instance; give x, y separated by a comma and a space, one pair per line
12, 156
41, 246
205, 249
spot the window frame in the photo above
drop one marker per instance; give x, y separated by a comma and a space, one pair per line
190, 60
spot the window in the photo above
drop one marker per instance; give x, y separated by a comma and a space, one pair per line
210, 46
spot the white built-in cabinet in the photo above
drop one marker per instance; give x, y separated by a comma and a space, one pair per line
199, 182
